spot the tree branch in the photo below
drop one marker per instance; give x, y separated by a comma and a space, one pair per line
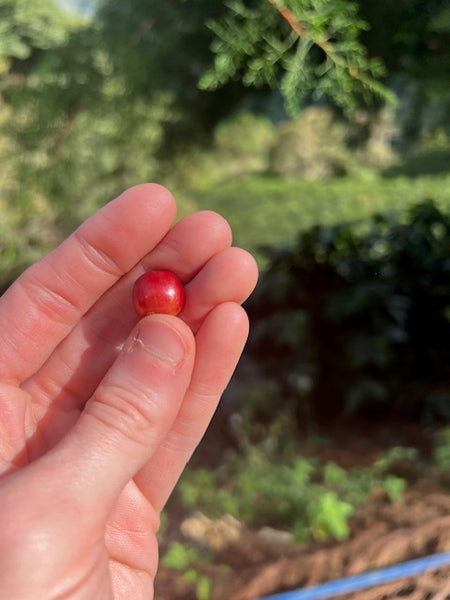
296, 26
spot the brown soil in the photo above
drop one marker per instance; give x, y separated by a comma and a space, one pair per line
383, 534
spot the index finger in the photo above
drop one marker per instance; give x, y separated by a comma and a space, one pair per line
46, 302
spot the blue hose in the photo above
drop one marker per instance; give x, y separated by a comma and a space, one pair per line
364, 581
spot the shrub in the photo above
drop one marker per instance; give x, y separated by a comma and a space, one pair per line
245, 135
362, 311
265, 487
310, 147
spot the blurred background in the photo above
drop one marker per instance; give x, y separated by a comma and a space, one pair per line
321, 130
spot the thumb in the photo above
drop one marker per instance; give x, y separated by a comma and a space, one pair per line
130, 413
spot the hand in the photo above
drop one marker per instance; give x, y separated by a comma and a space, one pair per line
100, 411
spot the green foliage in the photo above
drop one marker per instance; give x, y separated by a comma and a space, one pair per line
244, 135
418, 30
203, 584
263, 487
313, 146
312, 45
181, 557
375, 297
329, 517
25, 28
203, 588
89, 107
152, 43
413, 28
71, 138
394, 486
395, 455
271, 211
200, 489
441, 21
162, 48
441, 452
27, 225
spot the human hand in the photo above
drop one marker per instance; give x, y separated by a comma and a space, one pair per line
99, 412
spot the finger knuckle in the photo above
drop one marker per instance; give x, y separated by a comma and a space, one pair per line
131, 414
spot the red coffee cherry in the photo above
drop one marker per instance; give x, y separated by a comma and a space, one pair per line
158, 292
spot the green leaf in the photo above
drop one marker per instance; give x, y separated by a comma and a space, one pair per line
394, 486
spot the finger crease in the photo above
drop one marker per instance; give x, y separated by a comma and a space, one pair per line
51, 303
98, 258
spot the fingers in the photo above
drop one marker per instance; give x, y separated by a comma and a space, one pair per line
129, 415
81, 360
42, 307
190, 244
219, 343
229, 276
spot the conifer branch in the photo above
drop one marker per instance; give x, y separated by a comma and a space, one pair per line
327, 48
330, 52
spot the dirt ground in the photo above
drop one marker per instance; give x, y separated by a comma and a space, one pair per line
250, 565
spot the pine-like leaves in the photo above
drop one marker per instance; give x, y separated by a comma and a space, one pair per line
309, 48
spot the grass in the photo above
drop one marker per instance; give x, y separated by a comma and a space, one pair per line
267, 210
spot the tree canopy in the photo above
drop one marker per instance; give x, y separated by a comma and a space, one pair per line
99, 101
207, 56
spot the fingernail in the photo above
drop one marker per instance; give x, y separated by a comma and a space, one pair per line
161, 340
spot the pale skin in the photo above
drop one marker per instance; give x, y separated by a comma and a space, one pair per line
101, 411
